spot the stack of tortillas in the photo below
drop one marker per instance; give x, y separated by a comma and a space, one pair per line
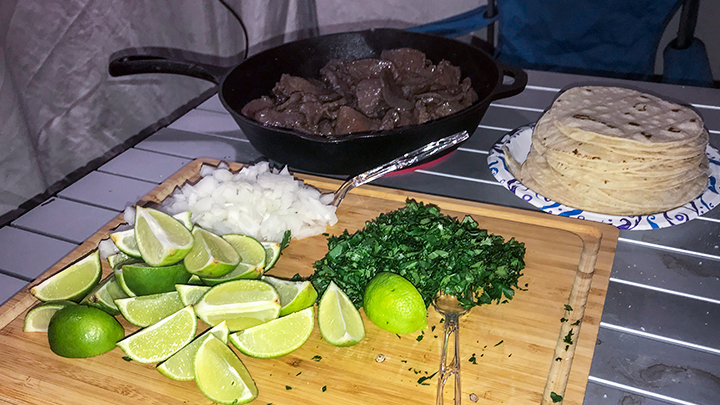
616, 151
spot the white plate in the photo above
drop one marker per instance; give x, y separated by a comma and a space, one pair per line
518, 143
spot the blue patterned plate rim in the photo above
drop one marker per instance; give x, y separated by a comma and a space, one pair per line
518, 143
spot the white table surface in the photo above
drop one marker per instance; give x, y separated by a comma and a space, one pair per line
659, 339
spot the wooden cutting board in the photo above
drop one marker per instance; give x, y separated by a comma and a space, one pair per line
511, 353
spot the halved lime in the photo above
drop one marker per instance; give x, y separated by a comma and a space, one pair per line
162, 339
38, 318
125, 241
190, 294
161, 239
220, 374
272, 254
142, 279
79, 331
250, 250
339, 321
147, 309
73, 282
184, 218
103, 296
277, 337
181, 365
241, 303
120, 259
294, 295
211, 255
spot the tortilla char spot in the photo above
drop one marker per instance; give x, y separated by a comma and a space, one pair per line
635, 124
673, 129
646, 135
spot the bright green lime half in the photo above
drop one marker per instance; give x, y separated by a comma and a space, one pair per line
339, 321
73, 282
38, 318
103, 296
393, 303
277, 337
294, 295
142, 279
162, 339
211, 255
181, 365
242, 304
125, 241
190, 294
221, 376
145, 310
82, 331
161, 239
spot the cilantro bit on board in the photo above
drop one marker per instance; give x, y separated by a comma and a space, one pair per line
422, 380
431, 250
555, 397
568, 307
499, 343
324, 388
472, 359
316, 357
568, 338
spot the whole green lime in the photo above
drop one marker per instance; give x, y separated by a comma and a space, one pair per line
83, 331
394, 304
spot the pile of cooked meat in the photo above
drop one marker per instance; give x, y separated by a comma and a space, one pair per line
400, 88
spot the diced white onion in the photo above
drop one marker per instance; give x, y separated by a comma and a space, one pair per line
258, 201
107, 248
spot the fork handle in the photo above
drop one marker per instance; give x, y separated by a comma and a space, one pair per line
452, 331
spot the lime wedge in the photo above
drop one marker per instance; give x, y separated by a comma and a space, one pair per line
195, 280
241, 272
120, 259
277, 337
146, 310
142, 279
73, 282
339, 321
184, 218
272, 254
161, 238
103, 296
241, 303
181, 365
120, 280
38, 318
190, 294
211, 255
221, 376
294, 295
251, 251
125, 241
162, 339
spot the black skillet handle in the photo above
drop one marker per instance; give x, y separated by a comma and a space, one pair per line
135, 64
510, 89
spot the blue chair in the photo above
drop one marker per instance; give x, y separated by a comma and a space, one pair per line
616, 38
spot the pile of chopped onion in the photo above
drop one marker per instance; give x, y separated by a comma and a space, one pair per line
258, 201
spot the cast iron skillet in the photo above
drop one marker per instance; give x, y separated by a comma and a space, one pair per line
353, 153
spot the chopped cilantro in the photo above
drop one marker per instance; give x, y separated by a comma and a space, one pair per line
298, 374
558, 358
563, 319
499, 343
422, 380
568, 307
403, 361
317, 357
420, 337
576, 323
126, 358
432, 329
285, 240
431, 250
472, 359
555, 397
287, 387
568, 338
324, 388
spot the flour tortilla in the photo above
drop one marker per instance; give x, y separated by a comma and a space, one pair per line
536, 174
624, 117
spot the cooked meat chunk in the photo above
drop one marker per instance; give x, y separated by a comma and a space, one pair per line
400, 88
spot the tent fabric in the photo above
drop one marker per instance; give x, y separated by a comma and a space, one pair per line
60, 110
